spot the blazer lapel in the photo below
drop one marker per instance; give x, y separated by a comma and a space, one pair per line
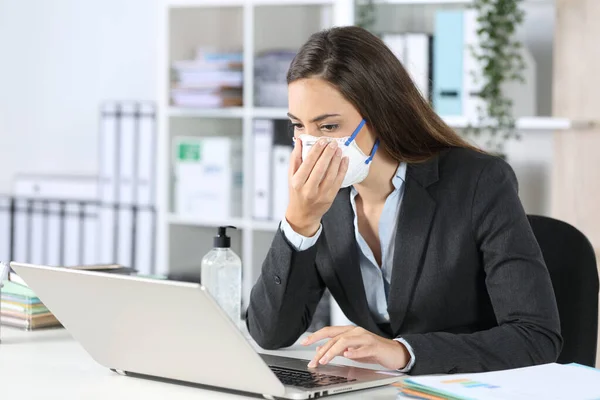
343, 251
412, 234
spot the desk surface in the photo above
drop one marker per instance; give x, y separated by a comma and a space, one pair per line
49, 364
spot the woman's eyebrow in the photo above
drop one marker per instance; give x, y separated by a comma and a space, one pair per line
316, 119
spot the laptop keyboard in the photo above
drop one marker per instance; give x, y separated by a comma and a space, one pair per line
306, 379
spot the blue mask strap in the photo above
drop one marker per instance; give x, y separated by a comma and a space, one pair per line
351, 138
375, 146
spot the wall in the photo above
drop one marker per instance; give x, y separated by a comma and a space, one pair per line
576, 179
59, 60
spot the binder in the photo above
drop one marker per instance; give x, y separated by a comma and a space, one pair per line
144, 236
127, 185
280, 162
126, 165
109, 160
417, 60
263, 142
448, 63
145, 240
145, 180
108, 155
396, 43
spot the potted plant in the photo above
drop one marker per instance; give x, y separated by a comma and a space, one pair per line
500, 61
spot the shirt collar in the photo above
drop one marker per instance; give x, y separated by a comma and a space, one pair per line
397, 180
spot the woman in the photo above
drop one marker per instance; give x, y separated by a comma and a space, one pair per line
426, 247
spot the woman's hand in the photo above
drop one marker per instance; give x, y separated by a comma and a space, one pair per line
357, 344
314, 184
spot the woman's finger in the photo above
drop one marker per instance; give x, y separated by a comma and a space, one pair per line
332, 171
320, 169
341, 346
303, 172
319, 354
327, 332
296, 159
341, 173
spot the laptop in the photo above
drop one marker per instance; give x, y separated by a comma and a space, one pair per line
175, 331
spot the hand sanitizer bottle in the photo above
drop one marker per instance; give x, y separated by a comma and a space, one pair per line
221, 275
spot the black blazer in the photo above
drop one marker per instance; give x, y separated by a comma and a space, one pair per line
469, 290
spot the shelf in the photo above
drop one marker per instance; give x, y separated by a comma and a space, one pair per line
192, 220
229, 112
240, 223
271, 113
241, 3
528, 123
205, 3
457, 122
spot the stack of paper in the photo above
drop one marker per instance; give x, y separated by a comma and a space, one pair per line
548, 381
270, 83
21, 308
209, 81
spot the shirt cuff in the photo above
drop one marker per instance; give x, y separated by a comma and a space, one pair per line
411, 362
299, 242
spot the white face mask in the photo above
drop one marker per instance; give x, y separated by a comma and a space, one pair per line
358, 162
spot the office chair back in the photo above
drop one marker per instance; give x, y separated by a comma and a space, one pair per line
572, 265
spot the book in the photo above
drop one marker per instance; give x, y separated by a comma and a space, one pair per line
21, 308
41, 321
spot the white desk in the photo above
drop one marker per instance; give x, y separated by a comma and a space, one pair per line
51, 365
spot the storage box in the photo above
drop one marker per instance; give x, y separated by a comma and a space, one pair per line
208, 176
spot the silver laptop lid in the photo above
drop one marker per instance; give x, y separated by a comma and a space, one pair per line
166, 329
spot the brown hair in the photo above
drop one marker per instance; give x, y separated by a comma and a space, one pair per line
370, 76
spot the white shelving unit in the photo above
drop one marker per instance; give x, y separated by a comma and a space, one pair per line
251, 25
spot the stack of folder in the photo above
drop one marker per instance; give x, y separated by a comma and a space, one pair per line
547, 381
211, 80
21, 308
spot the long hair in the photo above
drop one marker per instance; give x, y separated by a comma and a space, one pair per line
370, 77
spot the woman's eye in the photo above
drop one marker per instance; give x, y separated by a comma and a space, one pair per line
329, 127
297, 126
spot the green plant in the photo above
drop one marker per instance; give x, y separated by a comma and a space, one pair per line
499, 57
365, 14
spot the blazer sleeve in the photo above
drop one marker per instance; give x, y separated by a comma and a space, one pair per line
518, 284
284, 298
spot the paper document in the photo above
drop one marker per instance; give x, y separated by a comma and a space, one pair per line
549, 381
